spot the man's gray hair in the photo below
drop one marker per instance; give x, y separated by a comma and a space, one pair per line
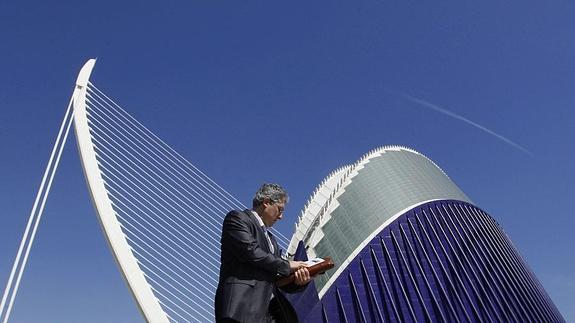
272, 192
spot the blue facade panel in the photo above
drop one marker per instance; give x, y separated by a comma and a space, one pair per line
443, 261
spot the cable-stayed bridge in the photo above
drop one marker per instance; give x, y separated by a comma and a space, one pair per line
159, 213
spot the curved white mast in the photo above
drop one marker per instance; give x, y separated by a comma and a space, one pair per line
139, 287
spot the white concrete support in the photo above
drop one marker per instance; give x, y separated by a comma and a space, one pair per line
139, 287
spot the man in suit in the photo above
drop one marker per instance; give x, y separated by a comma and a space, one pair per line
251, 263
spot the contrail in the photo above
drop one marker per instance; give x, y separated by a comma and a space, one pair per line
458, 117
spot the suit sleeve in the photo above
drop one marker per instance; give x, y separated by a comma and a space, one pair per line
236, 235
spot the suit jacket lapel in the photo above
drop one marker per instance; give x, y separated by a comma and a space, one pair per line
261, 238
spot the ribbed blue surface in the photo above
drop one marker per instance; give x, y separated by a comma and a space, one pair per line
444, 261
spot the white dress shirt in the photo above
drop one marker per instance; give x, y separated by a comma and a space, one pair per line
262, 224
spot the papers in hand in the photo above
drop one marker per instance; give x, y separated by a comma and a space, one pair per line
314, 261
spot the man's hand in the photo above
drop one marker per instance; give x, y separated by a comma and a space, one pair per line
302, 276
295, 265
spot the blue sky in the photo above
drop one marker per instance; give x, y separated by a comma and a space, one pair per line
253, 92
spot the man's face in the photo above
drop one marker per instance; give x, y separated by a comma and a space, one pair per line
272, 212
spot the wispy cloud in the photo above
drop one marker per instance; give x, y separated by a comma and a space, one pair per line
458, 117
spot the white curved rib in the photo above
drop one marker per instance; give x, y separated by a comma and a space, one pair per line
141, 291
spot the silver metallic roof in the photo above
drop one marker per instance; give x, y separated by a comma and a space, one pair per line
356, 201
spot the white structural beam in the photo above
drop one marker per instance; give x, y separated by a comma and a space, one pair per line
137, 283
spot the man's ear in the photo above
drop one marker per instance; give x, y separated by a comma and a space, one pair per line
266, 202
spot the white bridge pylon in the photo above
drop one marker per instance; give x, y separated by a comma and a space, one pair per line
147, 302
160, 214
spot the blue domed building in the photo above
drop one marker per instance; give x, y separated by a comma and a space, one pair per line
410, 246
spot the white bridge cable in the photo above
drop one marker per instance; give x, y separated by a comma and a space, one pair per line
281, 238
203, 315
145, 174
200, 295
205, 264
172, 310
105, 115
187, 208
203, 296
124, 172
193, 296
35, 217
174, 276
171, 176
168, 309
167, 149
196, 252
170, 268
207, 296
171, 152
170, 319
132, 156
162, 187
183, 232
154, 287
182, 243
154, 191
164, 173
158, 240
142, 161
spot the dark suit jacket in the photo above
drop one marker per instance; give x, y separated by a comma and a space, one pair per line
248, 272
